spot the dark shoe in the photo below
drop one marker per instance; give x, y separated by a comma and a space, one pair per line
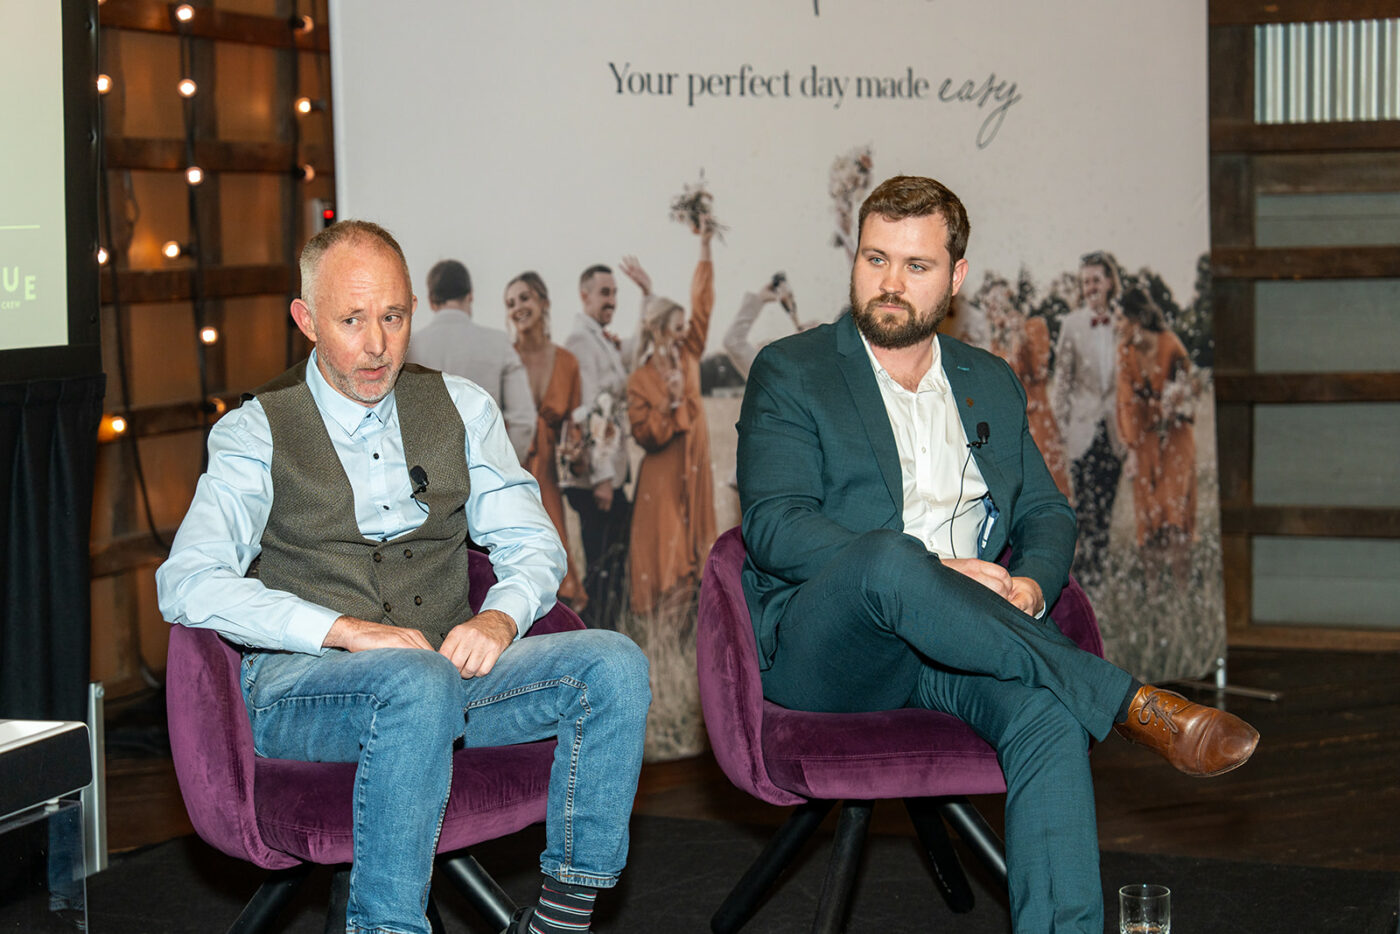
1198, 740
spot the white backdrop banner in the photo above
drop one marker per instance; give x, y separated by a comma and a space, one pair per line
553, 134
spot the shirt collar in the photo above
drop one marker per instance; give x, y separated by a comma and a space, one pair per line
591, 324
935, 378
345, 412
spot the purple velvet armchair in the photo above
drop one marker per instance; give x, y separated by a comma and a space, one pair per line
812, 760
284, 815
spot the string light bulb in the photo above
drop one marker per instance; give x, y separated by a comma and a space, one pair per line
208, 334
306, 171
172, 249
304, 105
111, 427
194, 175
215, 405
302, 23
184, 12
102, 256
187, 87
104, 84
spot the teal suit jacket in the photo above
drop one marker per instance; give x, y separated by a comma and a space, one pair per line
818, 466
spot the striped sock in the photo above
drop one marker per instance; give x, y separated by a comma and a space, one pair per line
563, 908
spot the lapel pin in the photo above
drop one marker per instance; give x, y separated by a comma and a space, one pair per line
969, 402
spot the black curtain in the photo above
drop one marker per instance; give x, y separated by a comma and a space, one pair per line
48, 453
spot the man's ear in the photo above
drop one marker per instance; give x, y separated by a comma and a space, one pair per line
305, 320
959, 274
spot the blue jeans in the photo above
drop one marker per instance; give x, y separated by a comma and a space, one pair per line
397, 712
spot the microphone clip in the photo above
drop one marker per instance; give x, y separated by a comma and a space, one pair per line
984, 434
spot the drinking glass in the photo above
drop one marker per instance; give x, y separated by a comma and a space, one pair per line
1144, 909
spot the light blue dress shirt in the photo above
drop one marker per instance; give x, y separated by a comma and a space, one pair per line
202, 583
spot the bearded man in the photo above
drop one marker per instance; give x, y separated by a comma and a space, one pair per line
873, 521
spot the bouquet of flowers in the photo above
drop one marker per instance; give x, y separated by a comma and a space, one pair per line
694, 207
1179, 399
596, 441
850, 180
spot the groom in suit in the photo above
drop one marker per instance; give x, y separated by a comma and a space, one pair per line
882, 470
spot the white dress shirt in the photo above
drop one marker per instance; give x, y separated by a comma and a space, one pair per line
202, 583
944, 506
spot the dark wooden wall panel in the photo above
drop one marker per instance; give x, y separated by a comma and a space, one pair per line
1248, 160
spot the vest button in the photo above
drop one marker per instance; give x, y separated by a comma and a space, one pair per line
388, 608
378, 557
417, 601
408, 552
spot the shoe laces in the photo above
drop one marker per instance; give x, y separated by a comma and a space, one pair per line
1153, 707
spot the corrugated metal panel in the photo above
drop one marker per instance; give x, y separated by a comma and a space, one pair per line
1326, 72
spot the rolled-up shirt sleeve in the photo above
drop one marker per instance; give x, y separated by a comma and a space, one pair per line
202, 583
505, 515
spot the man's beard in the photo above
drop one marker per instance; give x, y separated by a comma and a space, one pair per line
905, 333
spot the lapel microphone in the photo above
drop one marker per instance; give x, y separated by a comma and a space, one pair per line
984, 434
419, 476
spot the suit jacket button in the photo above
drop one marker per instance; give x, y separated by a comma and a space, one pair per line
388, 608
417, 601
378, 557
408, 552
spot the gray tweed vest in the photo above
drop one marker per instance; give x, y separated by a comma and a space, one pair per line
312, 545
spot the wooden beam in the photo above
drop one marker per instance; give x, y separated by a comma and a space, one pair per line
1344, 262
1230, 72
1307, 387
1310, 521
1260, 635
1251, 12
1234, 444
176, 285
1232, 200
129, 553
1237, 560
1326, 173
1228, 135
210, 155
170, 417
154, 16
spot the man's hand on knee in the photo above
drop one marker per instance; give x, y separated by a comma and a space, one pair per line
474, 646
990, 575
357, 635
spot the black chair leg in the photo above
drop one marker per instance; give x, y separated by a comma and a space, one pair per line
742, 902
979, 837
340, 900
477, 886
270, 898
841, 868
434, 917
947, 868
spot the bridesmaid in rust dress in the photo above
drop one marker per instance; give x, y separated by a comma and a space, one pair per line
673, 516
1155, 421
1024, 343
554, 383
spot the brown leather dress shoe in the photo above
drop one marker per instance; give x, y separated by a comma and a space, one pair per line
1198, 740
